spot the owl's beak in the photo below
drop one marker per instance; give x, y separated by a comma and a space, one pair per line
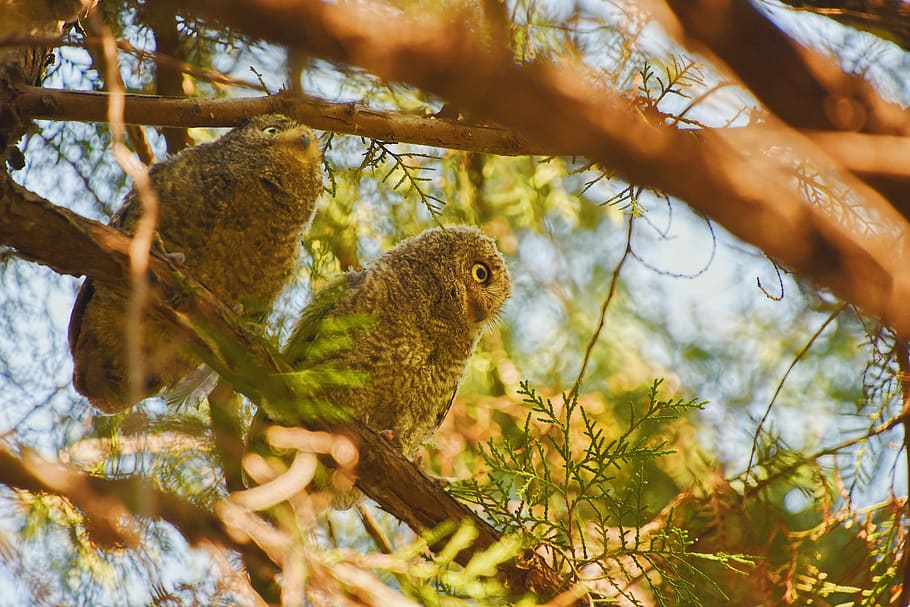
301, 142
478, 310
300, 136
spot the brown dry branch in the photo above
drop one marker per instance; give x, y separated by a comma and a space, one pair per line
561, 105
40, 231
109, 505
805, 88
887, 19
863, 154
349, 118
110, 508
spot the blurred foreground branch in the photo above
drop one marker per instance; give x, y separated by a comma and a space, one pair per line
110, 504
887, 19
807, 89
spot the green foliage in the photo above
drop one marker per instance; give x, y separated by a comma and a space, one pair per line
437, 580
577, 490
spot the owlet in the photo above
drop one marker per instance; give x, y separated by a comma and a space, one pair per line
422, 308
234, 209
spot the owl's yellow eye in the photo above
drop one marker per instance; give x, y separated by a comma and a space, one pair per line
480, 272
270, 130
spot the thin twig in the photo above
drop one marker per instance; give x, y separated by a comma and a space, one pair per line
371, 525
783, 379
603, 309
780, 282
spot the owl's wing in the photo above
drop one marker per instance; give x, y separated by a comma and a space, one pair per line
86, 291
445, 410
119, 220
312, 319
298, 348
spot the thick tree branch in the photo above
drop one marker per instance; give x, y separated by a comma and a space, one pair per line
41, 231
110, 508
887, 19
745, 189
806, 89
42, 20
109, 504
726, 176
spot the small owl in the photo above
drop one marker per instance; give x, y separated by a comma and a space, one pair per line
422, 308
234, 210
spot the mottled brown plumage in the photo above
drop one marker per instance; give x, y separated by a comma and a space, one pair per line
426, 303
234, 209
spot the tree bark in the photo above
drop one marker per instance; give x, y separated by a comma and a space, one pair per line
803, 87
25, 64
887, 19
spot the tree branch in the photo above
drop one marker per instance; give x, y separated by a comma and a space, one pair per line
40, 231
863, 154
349, 118
807, 89
887, 19
108, 503
729, 177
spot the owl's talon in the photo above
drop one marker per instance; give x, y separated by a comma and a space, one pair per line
389, 435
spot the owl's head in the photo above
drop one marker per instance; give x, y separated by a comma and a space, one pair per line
279, 131
483, 272
464, 273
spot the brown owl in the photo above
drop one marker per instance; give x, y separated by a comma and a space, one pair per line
234, 209
420, 310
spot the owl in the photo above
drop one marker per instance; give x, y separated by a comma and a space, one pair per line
415, 314
233, 210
